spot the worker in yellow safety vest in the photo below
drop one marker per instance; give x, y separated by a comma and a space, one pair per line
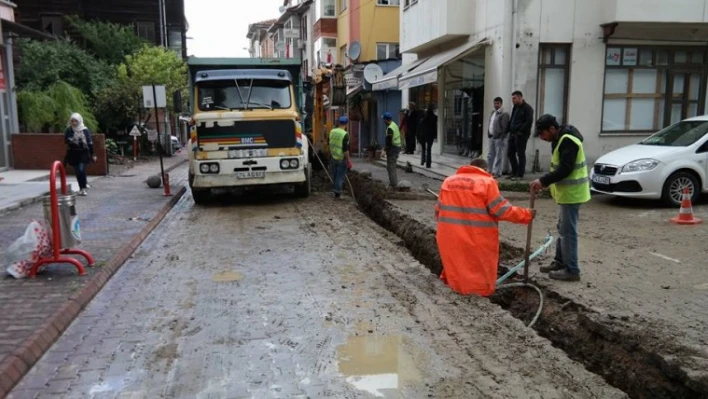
570, 187
392, 148
339, 154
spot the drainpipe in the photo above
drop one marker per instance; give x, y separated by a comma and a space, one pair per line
514, 29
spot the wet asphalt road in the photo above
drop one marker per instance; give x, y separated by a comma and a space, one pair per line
283, 298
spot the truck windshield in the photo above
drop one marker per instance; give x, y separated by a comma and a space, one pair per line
234, 94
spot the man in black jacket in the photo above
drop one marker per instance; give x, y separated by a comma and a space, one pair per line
520, 131
412, 122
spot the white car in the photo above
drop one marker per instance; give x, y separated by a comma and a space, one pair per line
658, 167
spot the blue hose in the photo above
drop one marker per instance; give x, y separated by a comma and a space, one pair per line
547, 243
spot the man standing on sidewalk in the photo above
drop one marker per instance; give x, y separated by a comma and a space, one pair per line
339, 154
412, 120
392, 148
520, 131
570, 187
498, 136
468, 212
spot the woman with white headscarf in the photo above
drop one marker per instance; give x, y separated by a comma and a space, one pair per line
79, 151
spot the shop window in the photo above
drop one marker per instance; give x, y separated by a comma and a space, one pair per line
386, 51
553, 73
647, 88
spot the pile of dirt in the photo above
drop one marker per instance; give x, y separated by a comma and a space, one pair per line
626, 356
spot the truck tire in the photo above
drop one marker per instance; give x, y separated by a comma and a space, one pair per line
303, 190
201, 197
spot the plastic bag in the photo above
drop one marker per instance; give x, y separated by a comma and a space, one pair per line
26, 250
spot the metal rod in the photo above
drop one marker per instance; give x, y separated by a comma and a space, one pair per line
527, 252
159, 139
432, 192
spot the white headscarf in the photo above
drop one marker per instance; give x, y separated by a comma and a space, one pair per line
79, 137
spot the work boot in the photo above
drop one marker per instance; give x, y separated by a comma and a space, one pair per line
554, 266
563, 275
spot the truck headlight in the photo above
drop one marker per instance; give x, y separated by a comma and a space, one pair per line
214, 168
640, 165
204, 168
294, 163
284, 164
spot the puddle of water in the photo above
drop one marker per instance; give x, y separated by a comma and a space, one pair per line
227, 276
376, 364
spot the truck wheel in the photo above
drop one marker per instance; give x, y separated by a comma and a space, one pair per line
201, 197
303, 190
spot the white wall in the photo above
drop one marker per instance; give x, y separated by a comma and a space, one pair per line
676, 11
432, 21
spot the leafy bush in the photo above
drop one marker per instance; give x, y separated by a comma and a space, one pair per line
50, 109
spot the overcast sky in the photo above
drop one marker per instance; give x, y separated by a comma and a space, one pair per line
218, 27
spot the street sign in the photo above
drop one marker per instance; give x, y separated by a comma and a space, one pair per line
149, 101
152, 135
352, 80
280, 46
291, 33
135, 132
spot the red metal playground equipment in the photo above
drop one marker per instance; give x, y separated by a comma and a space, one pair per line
57, 251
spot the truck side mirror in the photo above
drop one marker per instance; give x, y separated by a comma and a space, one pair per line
177, 101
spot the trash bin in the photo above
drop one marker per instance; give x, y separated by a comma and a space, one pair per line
69, 226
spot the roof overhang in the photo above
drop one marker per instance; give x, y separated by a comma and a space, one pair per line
655, 31
25, 31
390, 80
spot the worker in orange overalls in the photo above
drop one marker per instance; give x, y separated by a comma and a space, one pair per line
468, 211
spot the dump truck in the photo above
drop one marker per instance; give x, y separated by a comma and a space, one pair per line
245, 128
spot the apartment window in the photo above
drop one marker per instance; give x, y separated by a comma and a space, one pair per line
553, 74
342, 5
647, 88
389, 2
53, 24
329, 42
329, 8
406, 3
175, 36
146, 31
303, 28
385, 51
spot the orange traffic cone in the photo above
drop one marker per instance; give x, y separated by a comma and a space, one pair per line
686, 212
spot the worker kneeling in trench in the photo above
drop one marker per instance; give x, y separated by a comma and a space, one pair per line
468, 211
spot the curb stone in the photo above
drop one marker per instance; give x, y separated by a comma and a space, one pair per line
30, 201
20, 361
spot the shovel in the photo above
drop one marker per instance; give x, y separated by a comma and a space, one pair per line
527, 252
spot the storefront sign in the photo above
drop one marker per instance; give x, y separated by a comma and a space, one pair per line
420, 80
613, 56
391, 83
352, 80
629, 58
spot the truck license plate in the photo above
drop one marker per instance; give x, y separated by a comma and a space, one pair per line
601, 179
250, 175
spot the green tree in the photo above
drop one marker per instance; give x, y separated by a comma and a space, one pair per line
154, 65
109, 42
50, 109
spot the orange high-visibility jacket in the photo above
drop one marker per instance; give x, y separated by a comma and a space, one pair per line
468, 211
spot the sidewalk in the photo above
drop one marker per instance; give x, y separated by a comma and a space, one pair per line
446, 165
20, 188
115, 217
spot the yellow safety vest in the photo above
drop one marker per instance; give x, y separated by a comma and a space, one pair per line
574, 189
336, 141
396, 134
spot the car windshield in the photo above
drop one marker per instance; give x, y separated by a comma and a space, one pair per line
681, 134
234, 94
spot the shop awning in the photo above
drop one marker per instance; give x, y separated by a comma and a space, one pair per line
427, 72
390, 80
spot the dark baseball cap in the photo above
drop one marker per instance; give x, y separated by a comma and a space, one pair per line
545, 122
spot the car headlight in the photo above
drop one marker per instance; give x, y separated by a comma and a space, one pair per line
204, 168
294, 163
640, 165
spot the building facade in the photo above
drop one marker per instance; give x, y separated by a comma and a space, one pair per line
616, 69
161, 22
261, 42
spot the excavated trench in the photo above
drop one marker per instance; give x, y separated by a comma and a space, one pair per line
627, 357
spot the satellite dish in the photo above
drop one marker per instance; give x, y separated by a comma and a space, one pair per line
355, 50
372, 73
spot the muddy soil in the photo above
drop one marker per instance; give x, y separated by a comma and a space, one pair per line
636, 348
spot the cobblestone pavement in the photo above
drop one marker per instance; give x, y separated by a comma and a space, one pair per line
284, 298
116, 209
637, 266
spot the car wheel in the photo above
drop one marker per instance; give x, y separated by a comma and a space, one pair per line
674, 185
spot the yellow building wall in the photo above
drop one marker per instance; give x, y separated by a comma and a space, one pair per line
343, 37
379, 24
